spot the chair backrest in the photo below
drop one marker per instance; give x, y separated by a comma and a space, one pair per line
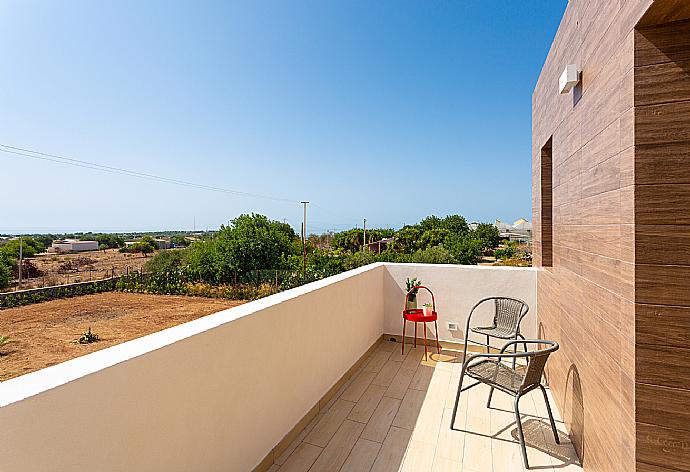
536, 363
508, 313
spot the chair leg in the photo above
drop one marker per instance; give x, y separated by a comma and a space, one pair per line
457, 398
415, 334
426, 358
521, 435
487, 344
438, 346
404, 327
488, 401
548, 409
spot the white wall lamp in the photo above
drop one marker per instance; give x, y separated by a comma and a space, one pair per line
569, 78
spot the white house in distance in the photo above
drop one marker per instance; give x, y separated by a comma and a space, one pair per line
520, 230
73, 245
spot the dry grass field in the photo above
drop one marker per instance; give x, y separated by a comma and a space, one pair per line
61, 269
43, 334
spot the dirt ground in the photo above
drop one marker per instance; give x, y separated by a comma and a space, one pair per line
42, 334
85, 266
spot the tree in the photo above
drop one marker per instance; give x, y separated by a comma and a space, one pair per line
455, 224
5, 270
488, 235
178, 241
249, 242
406, 239
102, 247
465, 249
433, 237
430, 222
30, 247
348, 241
141, 246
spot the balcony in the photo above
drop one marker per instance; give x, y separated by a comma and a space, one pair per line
307, 379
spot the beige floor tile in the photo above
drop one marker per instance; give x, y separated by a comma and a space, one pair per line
477, 452
409, 412
392, 452
367, 404
438, 387
302, 458
445, 465
339, 447
362, 457
381, 420
377, 360
419, 456
358, 386
387, 373
400, 384
329, 423
409, 409
428, 423
451, 443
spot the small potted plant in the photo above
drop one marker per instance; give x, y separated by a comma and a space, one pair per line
412, 297
428, 309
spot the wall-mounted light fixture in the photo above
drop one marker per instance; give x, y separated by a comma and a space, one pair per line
569, 78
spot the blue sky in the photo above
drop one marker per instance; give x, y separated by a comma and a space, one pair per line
389, 110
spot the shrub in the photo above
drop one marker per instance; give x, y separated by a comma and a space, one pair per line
358, 259
433, 255
87, 337
4, 340
168, 260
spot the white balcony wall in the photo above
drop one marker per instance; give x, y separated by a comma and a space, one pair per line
215, 394
456, 289
218, 393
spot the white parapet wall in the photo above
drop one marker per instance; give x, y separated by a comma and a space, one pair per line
214, 394
456, 289
218, 393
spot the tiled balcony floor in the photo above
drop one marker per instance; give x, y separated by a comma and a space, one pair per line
394, 415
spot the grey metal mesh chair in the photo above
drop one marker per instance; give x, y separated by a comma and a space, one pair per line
507, 316
490, 369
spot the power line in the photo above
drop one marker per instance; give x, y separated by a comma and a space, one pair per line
118, 170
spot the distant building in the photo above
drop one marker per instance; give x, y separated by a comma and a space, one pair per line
520, 230
163, 243
73, 245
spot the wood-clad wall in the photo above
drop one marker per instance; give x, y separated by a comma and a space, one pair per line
586, 299
662, 240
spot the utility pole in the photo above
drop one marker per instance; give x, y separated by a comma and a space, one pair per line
304, 235
365, 235
21, 261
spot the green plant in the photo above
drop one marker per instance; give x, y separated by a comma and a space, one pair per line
411, 284
4, 340
87, 337
433, 255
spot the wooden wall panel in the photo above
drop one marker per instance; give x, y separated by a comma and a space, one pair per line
586, 300
662, 238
